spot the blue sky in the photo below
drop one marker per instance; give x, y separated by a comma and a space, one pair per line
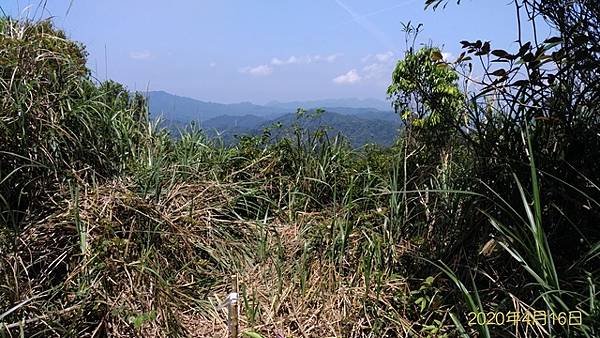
263, 50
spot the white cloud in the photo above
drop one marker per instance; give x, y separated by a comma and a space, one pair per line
262, 70
332, 57
140, 55
384, 57
447, 56
350, 77
380, 57
212, 64
267, 69
380, 66
290, 61
307, 59
374, 70
277, 62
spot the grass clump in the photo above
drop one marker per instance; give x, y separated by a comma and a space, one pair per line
55, 121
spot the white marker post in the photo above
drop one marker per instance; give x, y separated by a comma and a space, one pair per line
232, 301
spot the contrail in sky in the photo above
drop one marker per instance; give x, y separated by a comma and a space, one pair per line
388, 8
368, 25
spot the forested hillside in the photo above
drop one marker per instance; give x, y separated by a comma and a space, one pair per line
376, 128
228, 123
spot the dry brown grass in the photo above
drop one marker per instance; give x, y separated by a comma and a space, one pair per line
101, 258
110, 255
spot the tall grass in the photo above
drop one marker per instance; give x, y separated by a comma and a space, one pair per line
526, 242
55, 121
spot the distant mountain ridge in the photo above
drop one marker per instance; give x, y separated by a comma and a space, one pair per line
360, 125
345, 102
173, 107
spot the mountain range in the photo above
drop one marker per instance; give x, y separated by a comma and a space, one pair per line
361, 121
346, 102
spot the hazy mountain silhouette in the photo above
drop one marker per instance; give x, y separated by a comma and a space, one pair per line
344, 102
360, 125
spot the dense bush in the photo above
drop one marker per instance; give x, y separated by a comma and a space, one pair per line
531, 121
55, 120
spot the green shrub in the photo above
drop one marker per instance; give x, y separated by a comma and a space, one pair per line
55, 122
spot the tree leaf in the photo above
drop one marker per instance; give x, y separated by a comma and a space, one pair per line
499, 72
524, 49
521, 83
486, 47
554, 39
436, 56
528, 57
501, 53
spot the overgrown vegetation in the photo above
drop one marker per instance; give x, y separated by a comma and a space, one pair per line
489, 202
